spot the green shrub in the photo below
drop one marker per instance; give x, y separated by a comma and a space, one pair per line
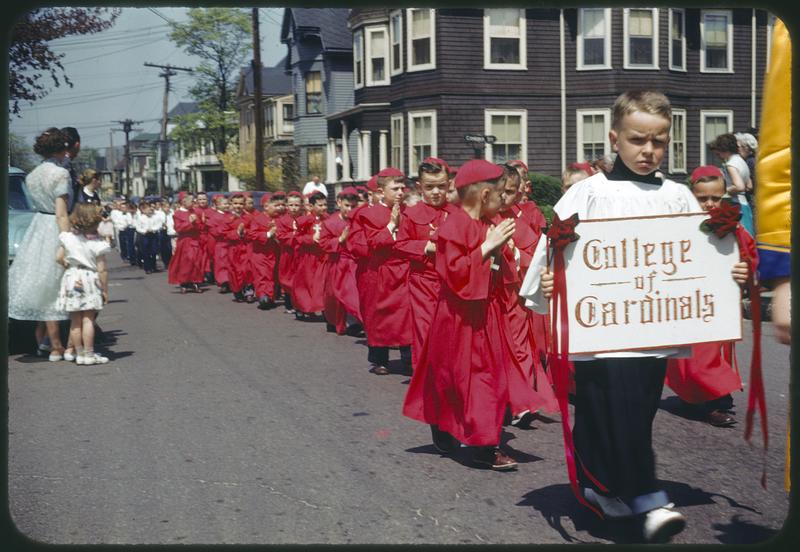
545, 191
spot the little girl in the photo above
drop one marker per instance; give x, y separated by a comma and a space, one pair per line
84, 286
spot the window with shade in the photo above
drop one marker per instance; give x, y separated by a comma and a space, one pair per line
358, 60
592, 132
677, 40
510, 129
287, 125
316, 160
396, 41
594, 38
712, 124
313, 92
677, 142
396, 137
421, 138
269, 120
641, 38
716, 43
377, 56
504, 39
421, 41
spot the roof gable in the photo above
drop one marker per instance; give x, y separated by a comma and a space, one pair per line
328, 24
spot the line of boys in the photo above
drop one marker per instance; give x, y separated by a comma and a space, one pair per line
144, 232
444, 281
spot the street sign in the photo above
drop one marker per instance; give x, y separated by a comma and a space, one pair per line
480, 139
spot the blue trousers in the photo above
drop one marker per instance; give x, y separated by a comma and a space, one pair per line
149, 249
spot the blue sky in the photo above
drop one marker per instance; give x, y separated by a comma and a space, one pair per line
112, 83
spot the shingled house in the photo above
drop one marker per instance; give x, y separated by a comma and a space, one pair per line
320, 65
542, 81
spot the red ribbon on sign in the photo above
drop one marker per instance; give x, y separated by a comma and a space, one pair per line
561, 234
722, 221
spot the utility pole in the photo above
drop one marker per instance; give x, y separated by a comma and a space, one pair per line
127, 127
169, 71
258, 107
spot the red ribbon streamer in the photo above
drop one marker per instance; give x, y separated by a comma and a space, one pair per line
756, 395
559, 360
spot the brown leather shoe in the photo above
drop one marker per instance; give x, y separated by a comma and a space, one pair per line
493, 458
379, 370
718, 418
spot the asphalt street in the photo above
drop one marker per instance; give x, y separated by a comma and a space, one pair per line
216, 422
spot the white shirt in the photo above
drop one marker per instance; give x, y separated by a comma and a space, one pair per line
741, 167
171, 224
161, 217
118, 218
310, 187
81, 251
598, 197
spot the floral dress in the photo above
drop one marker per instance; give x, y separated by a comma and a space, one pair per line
80, 284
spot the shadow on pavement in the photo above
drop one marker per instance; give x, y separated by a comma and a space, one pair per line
556, 502
116, 355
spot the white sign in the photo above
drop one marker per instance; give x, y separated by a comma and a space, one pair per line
650, 282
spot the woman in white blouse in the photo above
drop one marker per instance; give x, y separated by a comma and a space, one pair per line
737, 174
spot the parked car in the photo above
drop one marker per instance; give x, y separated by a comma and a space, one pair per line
20, 210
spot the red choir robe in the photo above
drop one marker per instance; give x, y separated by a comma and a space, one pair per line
461, 380
356, 244
249, 275
216, 230
418, 225
335, 271
388, 312
285, 231
237, 252
710, 372
186, 266
529, 371
206, 241
263, 255
308, 291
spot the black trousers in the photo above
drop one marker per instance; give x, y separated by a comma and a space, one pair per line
380, 355
123, 244
164, 247
149, 246
616, 400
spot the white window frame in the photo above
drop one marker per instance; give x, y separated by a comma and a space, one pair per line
358, 51
674, 140
396, 118
705, 114
397, 14
626, 63
412, 171
487, 130
368, 32
580, 65
729, 16
672, 65
487, 45
410, 66
579, 114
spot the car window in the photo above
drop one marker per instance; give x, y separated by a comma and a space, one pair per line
17, 200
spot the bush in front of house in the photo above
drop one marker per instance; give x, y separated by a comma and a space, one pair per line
545, 191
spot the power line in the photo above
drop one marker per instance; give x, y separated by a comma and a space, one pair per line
104, 37
114, 52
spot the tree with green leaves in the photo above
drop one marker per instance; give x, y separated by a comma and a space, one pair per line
20, 153
30, 56
221, 38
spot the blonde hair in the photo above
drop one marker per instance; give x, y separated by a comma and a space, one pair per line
85, 217
87, 176
647, 101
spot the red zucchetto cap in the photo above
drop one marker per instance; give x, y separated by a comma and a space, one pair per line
518, 163
585, 167
706, 171
437, 161
477, 170
391, 172
372, 183
279, 195
348, 191
361, 189
265, 198
294, 193
181, 195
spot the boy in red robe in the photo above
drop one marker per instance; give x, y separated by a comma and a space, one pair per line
216, 223
387, 316
186, 265
340, 294
308, 291
460, 386
416, 240
705, 381
236, 236
264, 254
202, 207
286, 226
278, 200
356, 245
530, 387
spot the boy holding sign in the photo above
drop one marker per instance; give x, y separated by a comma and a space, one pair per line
618, 394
